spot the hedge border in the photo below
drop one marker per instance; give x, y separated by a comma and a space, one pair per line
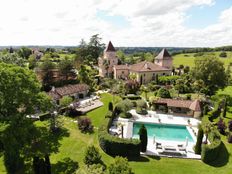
116, 146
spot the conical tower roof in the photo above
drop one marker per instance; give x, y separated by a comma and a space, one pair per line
110, 47
163, 55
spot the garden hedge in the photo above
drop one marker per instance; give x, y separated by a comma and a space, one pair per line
132, 97
210, 152
44, 116
116, 146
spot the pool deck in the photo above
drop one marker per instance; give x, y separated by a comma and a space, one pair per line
153, 117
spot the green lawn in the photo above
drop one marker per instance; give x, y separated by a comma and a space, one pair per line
74, 145
188, 59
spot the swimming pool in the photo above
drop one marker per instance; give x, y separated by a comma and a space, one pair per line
164, 132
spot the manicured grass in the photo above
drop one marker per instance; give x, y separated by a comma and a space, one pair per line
188, 59
75, 143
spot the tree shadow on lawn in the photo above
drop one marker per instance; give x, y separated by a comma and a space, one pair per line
222, 159
48, 142
143, 158
66, 166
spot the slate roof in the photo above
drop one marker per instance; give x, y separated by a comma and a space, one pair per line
57, 93
110, 47
163, 55
190, 104
146, 66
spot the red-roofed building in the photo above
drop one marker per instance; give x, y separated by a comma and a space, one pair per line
144, 72
75, 91
179, 107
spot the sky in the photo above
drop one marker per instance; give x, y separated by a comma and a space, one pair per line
143, 23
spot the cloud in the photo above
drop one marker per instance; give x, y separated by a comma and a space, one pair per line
150, 23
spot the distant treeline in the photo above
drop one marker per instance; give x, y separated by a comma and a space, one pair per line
198, 50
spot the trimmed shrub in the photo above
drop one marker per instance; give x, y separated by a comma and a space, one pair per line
85, 125
116, 146
125, 115
92, 156
163, 93
221, 126
131, 97
230, 125
141, 111
108, 114
200, 135
120, 165
110, 106
229, 138
143, 138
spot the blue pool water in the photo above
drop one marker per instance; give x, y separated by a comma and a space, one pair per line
164, 132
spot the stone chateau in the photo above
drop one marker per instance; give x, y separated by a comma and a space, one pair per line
144, 72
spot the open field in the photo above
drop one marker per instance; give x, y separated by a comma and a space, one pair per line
74, 144
188, 58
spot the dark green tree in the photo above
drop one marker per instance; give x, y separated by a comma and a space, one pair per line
24, 52
95, 48
211, 71
143, 138
163, 93
200, 135
19, 96
110, 106
66, 67
92, 156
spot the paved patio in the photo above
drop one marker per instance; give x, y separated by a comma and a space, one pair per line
153, 117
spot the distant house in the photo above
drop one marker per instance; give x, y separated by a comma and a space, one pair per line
144, 71
179, 107
76, 91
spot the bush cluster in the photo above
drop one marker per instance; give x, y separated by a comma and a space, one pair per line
85, 125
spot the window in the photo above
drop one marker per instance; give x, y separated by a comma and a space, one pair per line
122, 72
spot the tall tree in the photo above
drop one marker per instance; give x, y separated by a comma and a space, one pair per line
19, 96
86, 75
200, 135
95, 48
211, 71
24, 52
143, 138
66, 67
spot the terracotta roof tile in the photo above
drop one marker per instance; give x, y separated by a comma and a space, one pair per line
193, 105
58, 93
146, 66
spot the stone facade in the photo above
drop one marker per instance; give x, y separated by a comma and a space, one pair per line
107, 61
144, 72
